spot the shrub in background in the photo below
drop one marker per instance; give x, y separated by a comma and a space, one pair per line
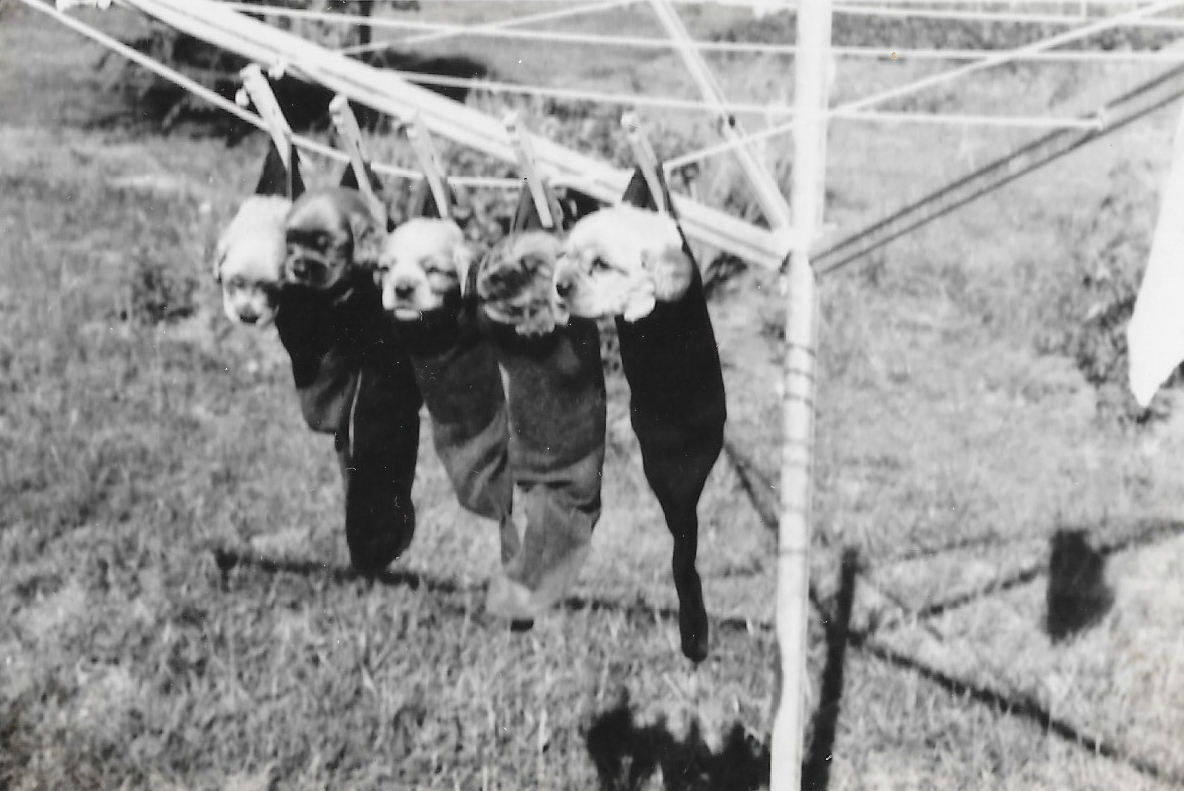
1109, 250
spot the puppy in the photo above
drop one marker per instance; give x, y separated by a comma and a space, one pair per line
556, 401
633, 264
331, 235
515, 284
621, 261
249, 260
423, 265
351, 372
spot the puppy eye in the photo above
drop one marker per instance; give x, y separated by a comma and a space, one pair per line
600, 265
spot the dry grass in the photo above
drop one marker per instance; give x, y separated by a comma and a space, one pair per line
175, 611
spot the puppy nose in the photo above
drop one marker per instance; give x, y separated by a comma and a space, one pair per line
249, 318
563, 287
404, 290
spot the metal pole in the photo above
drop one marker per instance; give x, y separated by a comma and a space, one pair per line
801, 333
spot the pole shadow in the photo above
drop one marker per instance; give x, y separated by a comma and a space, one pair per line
816, 769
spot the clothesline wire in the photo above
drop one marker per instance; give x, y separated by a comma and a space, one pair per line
300, 141
989, 61
431, 30
548, 16
303, 142
928, 12
321, 149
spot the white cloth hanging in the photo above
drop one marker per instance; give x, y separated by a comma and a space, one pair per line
1155, 335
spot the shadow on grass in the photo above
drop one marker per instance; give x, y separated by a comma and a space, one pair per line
1018, 706
1078, 596
228, 559
627, 756
1147, 532
816, 769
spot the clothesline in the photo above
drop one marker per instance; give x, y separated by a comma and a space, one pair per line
547, 16
852, 111
321, 149
997, 59
300, 141
431, 31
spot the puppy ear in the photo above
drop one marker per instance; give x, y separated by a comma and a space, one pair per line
462, 258
671, 270
368, 240
559, 312
220, 251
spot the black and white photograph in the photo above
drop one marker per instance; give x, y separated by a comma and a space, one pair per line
592, 395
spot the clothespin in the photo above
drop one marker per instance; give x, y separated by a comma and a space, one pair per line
346, 124
646, 159
257, 89
520, 141
429, 162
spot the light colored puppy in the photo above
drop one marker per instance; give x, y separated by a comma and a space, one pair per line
249, 259
424, 264
621, 261
515, 283
331, 233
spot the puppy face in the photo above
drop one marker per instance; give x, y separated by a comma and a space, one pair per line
423, 266
621, 261
328, 233
249, 259
515, 283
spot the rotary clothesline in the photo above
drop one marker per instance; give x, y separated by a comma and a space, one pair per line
300, 141
996, 59
321, 149
852, 111
507, 29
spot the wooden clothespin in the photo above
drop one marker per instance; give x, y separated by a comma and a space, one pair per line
520, 141
258, 89
646, 159
346, 124
429, 162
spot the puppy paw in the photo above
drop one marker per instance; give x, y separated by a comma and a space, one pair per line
506, 598
640, 306
541, 324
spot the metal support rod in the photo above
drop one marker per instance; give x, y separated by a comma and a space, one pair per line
1146, 98
797, 450
768, 193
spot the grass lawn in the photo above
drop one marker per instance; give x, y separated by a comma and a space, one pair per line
176, 610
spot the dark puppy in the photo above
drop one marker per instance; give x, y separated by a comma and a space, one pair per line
423, 265
621, 262
351, 371
329, 233
556, 398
